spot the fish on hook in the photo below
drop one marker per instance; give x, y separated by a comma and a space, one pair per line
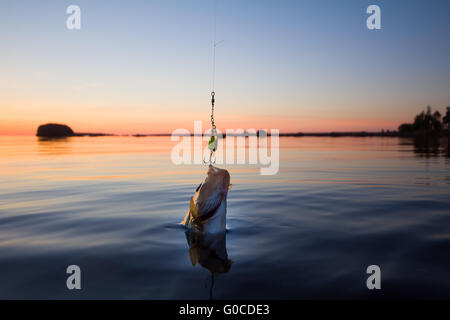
208, 207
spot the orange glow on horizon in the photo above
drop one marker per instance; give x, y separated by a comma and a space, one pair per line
24, 117
165, 126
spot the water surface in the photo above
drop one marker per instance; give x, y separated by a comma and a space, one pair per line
112, 206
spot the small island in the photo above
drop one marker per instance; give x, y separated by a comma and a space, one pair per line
54, 130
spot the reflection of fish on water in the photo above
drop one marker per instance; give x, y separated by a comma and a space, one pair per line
206, 223
210, 251
208, 207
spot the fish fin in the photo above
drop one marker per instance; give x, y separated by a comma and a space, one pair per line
193, 208
209, 205
185, 222
193, 255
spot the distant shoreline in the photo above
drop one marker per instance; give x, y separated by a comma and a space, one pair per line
55, 130
362, 134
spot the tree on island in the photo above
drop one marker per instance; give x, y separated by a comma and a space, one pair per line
446, 119
425, 123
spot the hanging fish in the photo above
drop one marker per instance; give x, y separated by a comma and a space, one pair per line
208, 207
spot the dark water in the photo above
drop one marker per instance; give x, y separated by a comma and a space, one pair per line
112, 206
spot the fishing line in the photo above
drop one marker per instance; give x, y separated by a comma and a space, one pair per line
212, 144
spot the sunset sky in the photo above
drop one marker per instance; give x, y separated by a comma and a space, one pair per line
145, 66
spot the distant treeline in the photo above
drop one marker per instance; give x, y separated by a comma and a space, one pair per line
426, 124
383, 133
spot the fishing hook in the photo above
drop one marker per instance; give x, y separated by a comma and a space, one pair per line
210, 161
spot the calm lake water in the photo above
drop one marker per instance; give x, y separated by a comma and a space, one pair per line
112, 205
